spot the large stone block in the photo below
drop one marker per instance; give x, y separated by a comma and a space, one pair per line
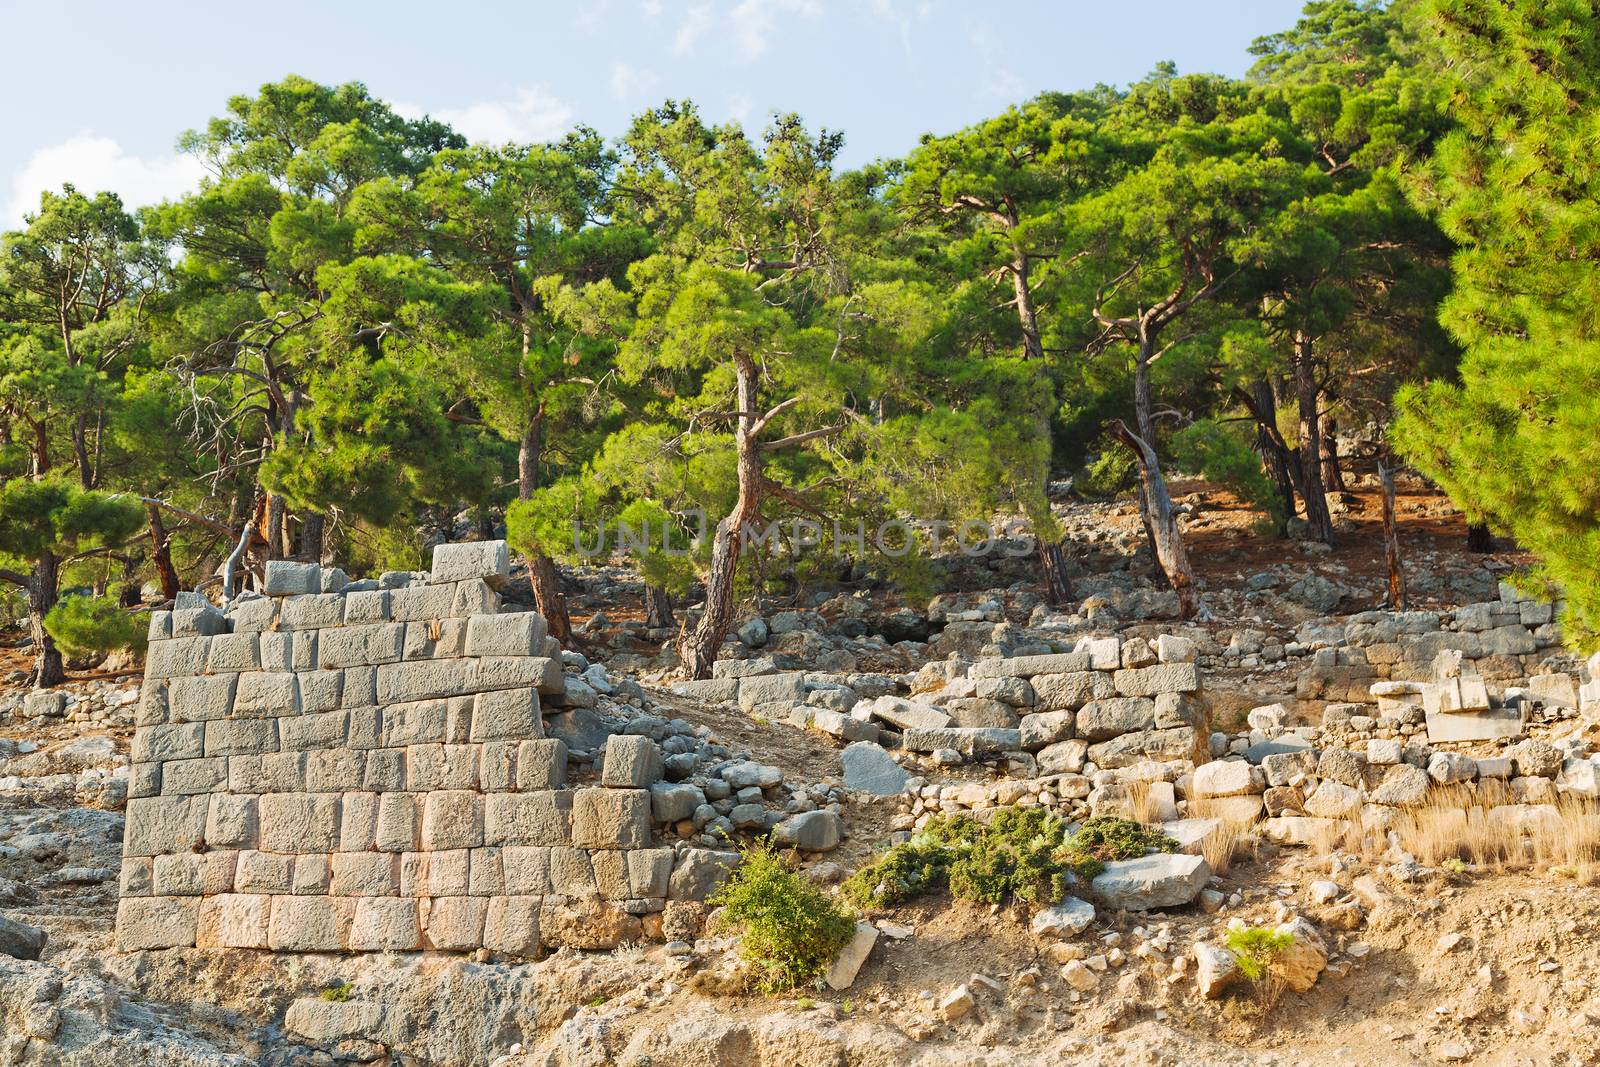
194, 874
299, 822
1045, 728
540, 818
632, 761
526, 869
170, 741
234, 920
178, 657
519, 633
310, 924
699, 872
541, 764
1029, 666
204, 698
512, 925
385, 925
1163, 880
231, 822
358, 822
355, 646
507, 715
202, 621
302, 732
365, 874
264, 872
267, 693
241, 737
487, 560
485, 877
419, 603
312, 612
385, 770
319, 690
288, 578
455, 924
191, 776
276, 772
397, 825
981, 741
157, 922
419, 723
1158, 745
772, 688
1101, 720
365, 606
1161, 678
452, 819
253, 615
276, 651
611, 818
517, 672
1070, 691
1227, 778
234, 652
423, 679
157, 825
311, 874
333, 770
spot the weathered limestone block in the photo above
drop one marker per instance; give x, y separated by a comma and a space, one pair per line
170, 741
366, 606
267, 693
538, 818
385, 925
772, 688
287, 578
276, 772
542, 764
358, 822
189, 776
311, 612
361, 645
302, 650
299, 822
516, 672
455, 924
157, 922
418, 723
193, 874
511, 925
497, 766
319, 690
1101, 720
1159, 745
264, 872
231, 822
485, 876
178, 657
385, 771
699, 872
418, 680
320, 730
1161, 678
253, 615
234, 920
1029, 666
632, 761
452, 819
397, 824
311, 874
144, 779
526, 869
365, 874
276, 651
234, 652
241, 737
611, 818
507, 715
1071, 691
310, 924
420, 603
463, 561
157, 825
519, 633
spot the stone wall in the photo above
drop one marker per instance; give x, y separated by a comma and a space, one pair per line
338, 766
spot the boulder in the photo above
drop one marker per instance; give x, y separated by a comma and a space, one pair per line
870, 769
810, 831
1215, 969
1161, 880
850, 959
21, 940
1063, 920
1227, 778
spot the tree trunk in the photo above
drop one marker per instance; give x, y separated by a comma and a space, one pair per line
1276, 457
1332, 475
1391, 541
657, 608
275, 514
1053, 565
542, 574
1479, 537
698, 648
1312, 491
49, 669
1027, 317
1168, 539
80, 450
311, 529
161, 553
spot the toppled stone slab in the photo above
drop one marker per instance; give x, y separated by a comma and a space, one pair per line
980, 741
851, 958
1161, 880
870, 769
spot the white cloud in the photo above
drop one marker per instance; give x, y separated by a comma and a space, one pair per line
903, 16
751, 22
628, 82
97, 164
530, 116
696, 24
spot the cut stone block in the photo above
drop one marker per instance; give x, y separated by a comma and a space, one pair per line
519, 633
1162, 678
452, 819
1029, 666
310, 924
362, 645
611, 818
157, 922
157, 825
178, 657
299, 822
541, 764
234, 652
364, 874
234, 920
385, 925
241, 737
511, 925
455, 924
772, 688
517, 672
170, 741
288, 578
488, 560
632, 761
267, 693
507, 715
542, 818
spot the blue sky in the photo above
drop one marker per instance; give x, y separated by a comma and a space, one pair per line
98, 92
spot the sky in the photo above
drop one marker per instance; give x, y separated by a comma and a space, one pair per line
97, 93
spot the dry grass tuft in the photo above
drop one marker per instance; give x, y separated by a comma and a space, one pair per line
1564, 836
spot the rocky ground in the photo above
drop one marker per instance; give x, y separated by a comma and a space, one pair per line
1482, 964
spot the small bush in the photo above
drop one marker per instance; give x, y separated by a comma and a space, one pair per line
1221, 452
83, 625
1021, 854
1115, 470
790, 930
1256, 947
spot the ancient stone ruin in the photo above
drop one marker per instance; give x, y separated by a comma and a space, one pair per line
363, 766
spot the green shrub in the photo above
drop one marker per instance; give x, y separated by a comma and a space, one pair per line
790, 930
82, 625
1021, 854
338, 993
1256, 947
1220, 452
1115, 470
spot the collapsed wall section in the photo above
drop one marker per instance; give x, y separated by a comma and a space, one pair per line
339, 766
